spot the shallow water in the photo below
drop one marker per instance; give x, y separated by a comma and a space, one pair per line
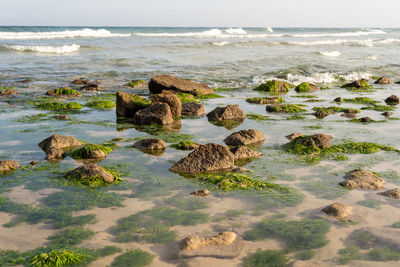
235, 59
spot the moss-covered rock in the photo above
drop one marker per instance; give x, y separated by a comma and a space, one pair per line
129, 104
265, 100
91, 151
305, 87
285, 108
186, 145
64, 91
356, 85
92, 175
59, 106
273, 86
135, 83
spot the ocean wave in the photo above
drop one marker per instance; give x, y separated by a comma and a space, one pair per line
84, 33
330, 53
235, 31
65, 49
219, 43
367, 42
338, 34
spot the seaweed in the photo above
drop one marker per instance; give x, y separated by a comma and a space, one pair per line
186, 204
264, 100
303, 87
266, 258
286, 108
66, 92
383, 254
60, 257
101, 104
258, 117
273, 86
185, 145
135, 83
70, 236
349, 254
58, 106
358, 100
380, 108
296, 235
305, 255
325, 189
334, 109
88, 149
133, 258
370, 203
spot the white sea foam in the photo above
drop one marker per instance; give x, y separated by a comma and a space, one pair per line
84, 33
235, 31
330, 53
270, 29
367, 42
220, 43
339, 34
65, 49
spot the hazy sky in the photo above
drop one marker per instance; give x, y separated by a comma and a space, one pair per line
235, 13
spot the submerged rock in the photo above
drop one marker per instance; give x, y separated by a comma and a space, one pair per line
349, 115
193, 109
320, 114
91, 87
306, 87
8, 165
362, 179
383, 80
245, 137
63, 92
201, 193
230, 112
206, 158
90, 172
387, 114
274, 86
316, 140
293, 136
54, 145
159, 113
8, 92
240, 170
61, 117
167, 82
393, 193
223, 245
171, 99
359, 84
365, 119
339, 99
129, 104
80, 81
392, 100
338, 210
150, 144
243, 152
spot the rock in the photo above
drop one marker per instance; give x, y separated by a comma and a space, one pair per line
201, 193
171, 83
34, 162
150, 144
223, 245
129, 104
8, 165
171, 99
193, 109
338, 210
339, 99
91, 87
362, 179
71, 93
365, 119
383, 80
230, 112
89, 171
349, 115
206, 158
159, 113
8, 92
393, 193
80, 81
320, 114
387, 114
61, 117
243, 152
53, 146
293, 136
29, 80
392, 100
316, 140
245, 137
363, 84
350, 111
240, 170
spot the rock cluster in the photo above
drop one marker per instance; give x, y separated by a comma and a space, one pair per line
54, 146
160, 83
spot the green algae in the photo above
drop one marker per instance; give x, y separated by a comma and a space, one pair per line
58, 258
264, 100
152, 225
363, 85
286, 108
66, 92
58, 106
370, 203
348, 254
32, 118
139, 102
266, 258
89, 149
303, 234
101, 104
70, 236
334, 109
383, 254
94, 181
296, 117
305, 255
305, 96
258, 117
396, 225
133, 258
359, 100
187, 98
303, 87
174, 137
379, 108
326, 189
273, 86
186, 204
135, 83
185, 145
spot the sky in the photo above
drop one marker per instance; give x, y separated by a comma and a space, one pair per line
206, 13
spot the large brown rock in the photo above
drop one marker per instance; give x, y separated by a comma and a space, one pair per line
150, 144
293, 136
243, 152
392, 193
193, 109
159, 113
383, 80
338, 210
245, 137
8, 92
88, 171
362, 179
230, 112
8, 165
54, 145
206, 158
171, 99
223, 245
316, 140
392, 100
171, 83
129, 104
